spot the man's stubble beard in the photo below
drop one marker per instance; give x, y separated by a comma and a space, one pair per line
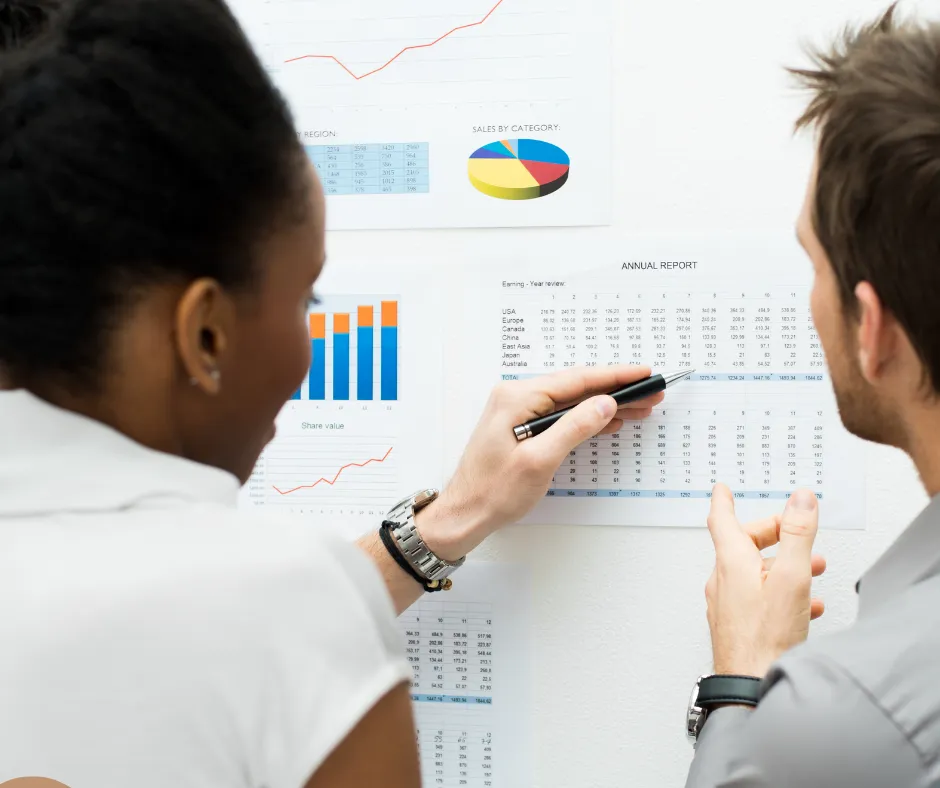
862, 412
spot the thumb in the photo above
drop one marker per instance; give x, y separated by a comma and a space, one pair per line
575, 427
798, 530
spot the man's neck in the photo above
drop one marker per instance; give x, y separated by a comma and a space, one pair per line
923, 445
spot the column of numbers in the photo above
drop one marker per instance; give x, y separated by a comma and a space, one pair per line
450, 649
385, 168
684, 452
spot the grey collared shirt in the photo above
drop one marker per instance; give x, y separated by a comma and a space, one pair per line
860, 708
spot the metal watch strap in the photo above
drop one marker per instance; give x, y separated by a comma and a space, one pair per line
418, 554
718, 690
400, 523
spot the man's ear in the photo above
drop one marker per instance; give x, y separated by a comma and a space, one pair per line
875, 336
204, 324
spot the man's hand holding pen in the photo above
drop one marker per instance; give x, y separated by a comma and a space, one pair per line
499, 478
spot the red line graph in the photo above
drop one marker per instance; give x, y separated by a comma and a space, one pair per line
438, 40
331, 482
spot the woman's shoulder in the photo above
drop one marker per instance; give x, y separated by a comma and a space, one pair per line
214, 563
298, 554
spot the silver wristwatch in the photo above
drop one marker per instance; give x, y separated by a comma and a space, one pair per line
695, 717
400, 522
716, 690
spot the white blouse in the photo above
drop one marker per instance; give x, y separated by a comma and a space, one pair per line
153, 635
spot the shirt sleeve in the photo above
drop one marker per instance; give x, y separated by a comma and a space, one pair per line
334, 651
815, 726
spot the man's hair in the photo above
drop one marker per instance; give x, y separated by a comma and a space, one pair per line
876, 103
21, 21
141, 142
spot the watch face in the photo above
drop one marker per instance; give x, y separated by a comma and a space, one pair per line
424, 497
695, 715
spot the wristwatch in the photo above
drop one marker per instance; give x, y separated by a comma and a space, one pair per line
408, 548
717, 690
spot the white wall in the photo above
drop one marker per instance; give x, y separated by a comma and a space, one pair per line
703, 115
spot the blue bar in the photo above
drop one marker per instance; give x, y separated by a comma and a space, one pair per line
318, 370
365, 360
296, 394
340, 366
389, 362
466, 700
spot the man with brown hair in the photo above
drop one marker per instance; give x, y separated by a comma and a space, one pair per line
862, 707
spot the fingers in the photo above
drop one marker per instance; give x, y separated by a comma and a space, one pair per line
571, 385
816, 609
647, 403
798, 528
722, 521
588, 419
817, 565
766, 532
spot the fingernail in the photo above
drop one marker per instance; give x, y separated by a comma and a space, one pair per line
803, 500
606, 407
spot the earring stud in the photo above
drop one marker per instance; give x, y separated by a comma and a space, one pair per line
214, 374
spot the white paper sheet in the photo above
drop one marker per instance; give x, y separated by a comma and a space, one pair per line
469, 649
758, 414
392, 102
365, 428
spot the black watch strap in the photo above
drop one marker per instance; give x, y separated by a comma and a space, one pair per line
717, 690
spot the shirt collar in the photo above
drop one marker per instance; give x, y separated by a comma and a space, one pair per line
914, 556
54, 460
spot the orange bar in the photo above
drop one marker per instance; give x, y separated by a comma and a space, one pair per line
341, 323
318, 326
389, 314
366, 316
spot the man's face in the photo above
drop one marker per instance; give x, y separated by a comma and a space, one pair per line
862, 411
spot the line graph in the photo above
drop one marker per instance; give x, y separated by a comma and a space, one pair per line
407, 49
331, 482
445, 76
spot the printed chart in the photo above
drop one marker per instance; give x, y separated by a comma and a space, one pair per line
468, 652
392, 99
519, 169
351, 441
351, 356
758, 413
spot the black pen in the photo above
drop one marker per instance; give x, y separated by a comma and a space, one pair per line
635, 391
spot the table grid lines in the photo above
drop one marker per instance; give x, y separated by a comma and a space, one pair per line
374, 168
751, 416
449, 646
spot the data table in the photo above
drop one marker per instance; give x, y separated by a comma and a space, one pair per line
451, 650
382, 168
756, 414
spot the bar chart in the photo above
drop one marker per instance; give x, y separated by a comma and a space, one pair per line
354, 352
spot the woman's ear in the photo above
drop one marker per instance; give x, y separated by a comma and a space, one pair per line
204, 320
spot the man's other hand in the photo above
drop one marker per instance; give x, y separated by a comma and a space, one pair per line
759, 608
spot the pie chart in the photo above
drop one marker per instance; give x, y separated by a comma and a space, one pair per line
519, 169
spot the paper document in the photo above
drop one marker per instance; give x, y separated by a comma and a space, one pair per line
362, 429
469, 113
757, 415
469, 649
